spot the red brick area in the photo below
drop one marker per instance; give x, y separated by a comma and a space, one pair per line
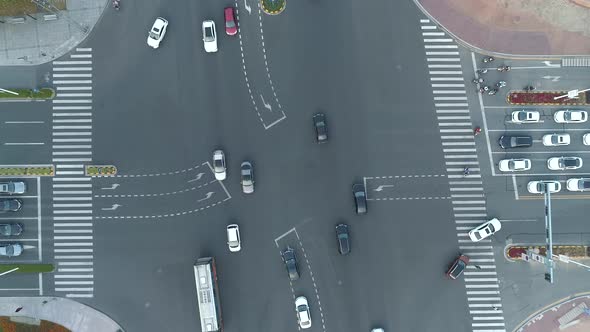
547, 319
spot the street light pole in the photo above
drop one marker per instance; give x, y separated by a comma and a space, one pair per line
571, 94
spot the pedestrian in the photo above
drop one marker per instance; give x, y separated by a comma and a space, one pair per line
18, 309
478, 267
465, 171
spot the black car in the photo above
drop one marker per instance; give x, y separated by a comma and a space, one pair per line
360, 198
321, 127
291, 263
11, 204
510, 141
343, 239
12, 229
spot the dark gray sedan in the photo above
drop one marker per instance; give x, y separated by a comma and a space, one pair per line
11, 204
12, 229
343, 238
291, 263
321, 127
360, 198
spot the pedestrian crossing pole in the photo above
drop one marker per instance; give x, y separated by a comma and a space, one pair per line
548, 236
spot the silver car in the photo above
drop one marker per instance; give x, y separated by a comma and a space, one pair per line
17, 187
247, 173
219, 165
11, 250
12, 229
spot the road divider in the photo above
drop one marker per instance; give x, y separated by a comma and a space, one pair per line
26, 94
28, 170
100, 170
26, 268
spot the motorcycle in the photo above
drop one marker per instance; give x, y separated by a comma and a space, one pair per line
504, 68
529, 88
476, 131
501, 84
478, 80
116, 4
492, 92
488, 59
482, 71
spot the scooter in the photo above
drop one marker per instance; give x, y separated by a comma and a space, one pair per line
501, 84
482, 71
488, 59
504, 68
492, 92
478, 80
116, 4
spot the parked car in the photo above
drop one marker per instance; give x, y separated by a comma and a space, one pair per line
247, 181
514, 165
578, 184
321, 127
290, 263
570, 116
378, 329
209, 36
233, 238
458, 267
17, 187
219, 165
231, 28
538, 187
510, 141
303, 315
10, 204
11, 250
11, 229
526, 116
343, 238
556, 139
563, 163
360, 198
157, 32
586, 139
484, 230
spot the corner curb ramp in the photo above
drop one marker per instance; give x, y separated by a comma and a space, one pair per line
73, 315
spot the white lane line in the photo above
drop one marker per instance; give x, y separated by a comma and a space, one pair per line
71, 140
76, 56
23, 122
61, 199
74, 282
445, 72
451, 105
65, 108
72, 68
442, 53
447, 79
72, 224
71, 101
72, 114
74, 257
72, 82
69, 172
78, 250
74, 88
69, 166
72, 120
61, 95
72, 75
443, 59
448, 85
440, 46
72, 231
19, 144
72, 192
82, 146
450, 92
83, 49
80, 62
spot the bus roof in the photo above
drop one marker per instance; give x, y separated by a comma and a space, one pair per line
206, 295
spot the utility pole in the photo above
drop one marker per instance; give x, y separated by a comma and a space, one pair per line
572, 94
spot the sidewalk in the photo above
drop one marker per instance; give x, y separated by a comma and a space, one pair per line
43, 37
71, 314
547, 320
541, 28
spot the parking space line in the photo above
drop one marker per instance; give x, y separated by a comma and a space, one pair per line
283, 235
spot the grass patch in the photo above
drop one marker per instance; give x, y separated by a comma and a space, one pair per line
27, 268
45, 93
32, 171
106, 170
22, 7
273, 6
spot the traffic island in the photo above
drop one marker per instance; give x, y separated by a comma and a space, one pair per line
26, 94
273, 7
41, 170
100, 170
545, 98
517, 252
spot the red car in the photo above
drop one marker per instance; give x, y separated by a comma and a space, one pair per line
231, 28
458, 266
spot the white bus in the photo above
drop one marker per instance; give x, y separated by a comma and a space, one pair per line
208, 295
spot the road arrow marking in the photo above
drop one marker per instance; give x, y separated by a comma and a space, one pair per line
114, 207
247, 7
267, 106
549, 64
114, 186
552, 78
197, 178
209, 194
380, 188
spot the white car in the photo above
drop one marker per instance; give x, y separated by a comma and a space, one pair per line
586, 139
209, 36
570, 116
219, 165
514, 165
563, 163
580, 184
11, 249
538, 187
484, 230
556, 139
157, 32
526, 116
378, 330
233, 238
303, 315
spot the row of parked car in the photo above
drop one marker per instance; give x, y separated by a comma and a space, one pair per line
11, 228
554, 163
560, 116
525, 141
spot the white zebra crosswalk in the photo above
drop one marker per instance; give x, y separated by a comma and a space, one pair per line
72, 190
467, 193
